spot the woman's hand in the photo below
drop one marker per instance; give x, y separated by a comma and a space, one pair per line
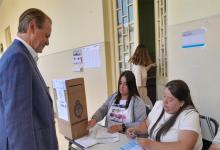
91, 123
131, 133
153, 65
144, 143
115, 128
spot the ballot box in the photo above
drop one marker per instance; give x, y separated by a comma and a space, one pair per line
70, 102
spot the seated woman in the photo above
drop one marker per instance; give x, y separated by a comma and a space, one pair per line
216, 142
173, 123
122, 109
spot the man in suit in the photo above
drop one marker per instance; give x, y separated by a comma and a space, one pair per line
26, 113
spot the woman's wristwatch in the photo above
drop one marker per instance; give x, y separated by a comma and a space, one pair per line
123, 127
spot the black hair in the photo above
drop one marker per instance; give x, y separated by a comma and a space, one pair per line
180, 90
132, 87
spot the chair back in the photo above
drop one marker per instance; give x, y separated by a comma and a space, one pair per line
209, 128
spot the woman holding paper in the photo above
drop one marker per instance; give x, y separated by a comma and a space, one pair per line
122, 109
173, 123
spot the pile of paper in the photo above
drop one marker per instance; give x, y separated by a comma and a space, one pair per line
99, 135
103, 136
86, 141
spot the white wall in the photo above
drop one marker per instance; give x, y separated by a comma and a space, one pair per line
76, 23
197, 66
180, 11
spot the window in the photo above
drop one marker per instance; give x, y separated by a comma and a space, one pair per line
161, 38
124, 26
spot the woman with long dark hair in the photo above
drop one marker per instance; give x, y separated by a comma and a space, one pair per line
173, 122
122, 109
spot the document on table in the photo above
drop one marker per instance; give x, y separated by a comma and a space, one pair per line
108, 140
86, 141
131, 145
101, 135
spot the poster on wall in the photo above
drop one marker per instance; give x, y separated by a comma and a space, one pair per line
194, 38
62, 109
77, 60
91, 56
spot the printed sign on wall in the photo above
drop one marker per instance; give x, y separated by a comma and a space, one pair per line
194, 38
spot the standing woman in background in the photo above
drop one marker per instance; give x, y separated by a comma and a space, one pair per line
142, 63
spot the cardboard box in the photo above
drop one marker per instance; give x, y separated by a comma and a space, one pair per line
71, 107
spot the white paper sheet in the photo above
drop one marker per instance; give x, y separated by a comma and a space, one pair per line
62, 110
100, 132
86, 141
62, 105
108, 140
103, 133
77, 60
194, 38
59, 84
60, 88
91, 56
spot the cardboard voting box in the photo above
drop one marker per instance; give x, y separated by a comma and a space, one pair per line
71, 107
